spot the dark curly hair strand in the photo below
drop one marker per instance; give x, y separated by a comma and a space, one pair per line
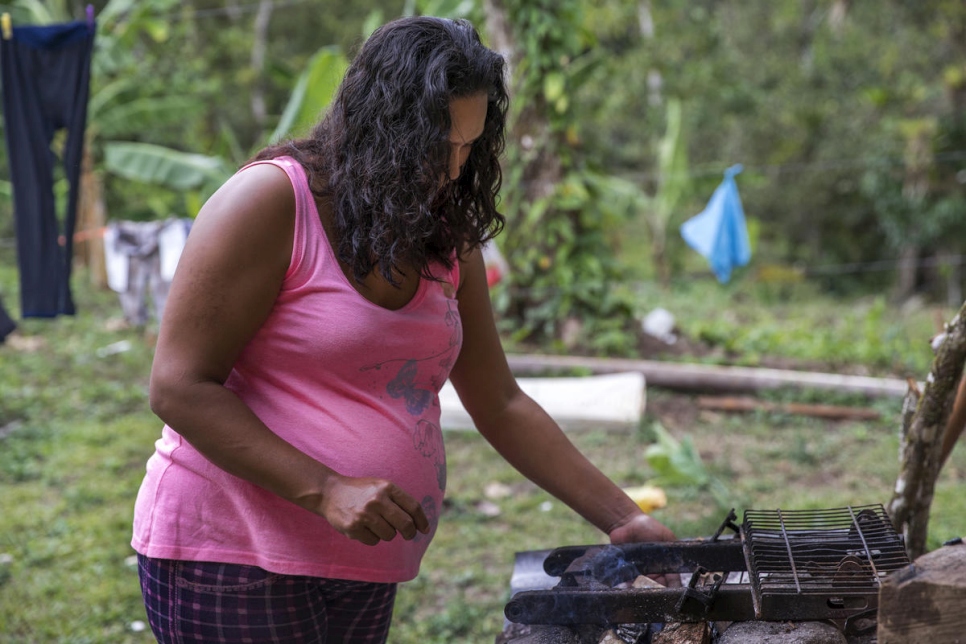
380, 152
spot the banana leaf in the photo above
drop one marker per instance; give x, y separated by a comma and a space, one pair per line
164, 166
312, 94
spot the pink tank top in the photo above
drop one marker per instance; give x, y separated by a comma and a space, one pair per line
348, 382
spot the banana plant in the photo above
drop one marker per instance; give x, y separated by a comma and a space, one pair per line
314, 90
185, 171
672, 186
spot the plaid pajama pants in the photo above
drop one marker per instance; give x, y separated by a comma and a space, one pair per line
214, 603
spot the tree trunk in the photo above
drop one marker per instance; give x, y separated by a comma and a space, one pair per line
921, 451
915, 188
531, 129
91, 220
837, 15
500, 35
811, 16
956, 424
259, 38
529, 132
949, 268
655, 81
908, 271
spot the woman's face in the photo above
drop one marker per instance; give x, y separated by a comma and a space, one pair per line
468, 116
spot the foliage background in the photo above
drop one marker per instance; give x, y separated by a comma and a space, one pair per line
848, 118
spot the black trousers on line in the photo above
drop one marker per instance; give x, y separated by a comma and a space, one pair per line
7, 325
46, 82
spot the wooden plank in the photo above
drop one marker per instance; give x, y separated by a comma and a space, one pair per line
744, 403
697, 377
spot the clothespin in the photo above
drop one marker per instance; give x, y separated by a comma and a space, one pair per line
7, 26
90, 16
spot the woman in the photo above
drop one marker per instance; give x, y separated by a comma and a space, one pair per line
325, 294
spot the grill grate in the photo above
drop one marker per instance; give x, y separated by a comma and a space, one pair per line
837, 553
784, 565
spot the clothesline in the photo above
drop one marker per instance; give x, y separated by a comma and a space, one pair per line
6, 23
89, 233
826, 269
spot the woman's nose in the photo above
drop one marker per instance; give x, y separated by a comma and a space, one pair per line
456, 160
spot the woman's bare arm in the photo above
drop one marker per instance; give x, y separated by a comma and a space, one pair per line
522, 432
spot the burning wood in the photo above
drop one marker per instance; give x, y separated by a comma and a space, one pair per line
683, 633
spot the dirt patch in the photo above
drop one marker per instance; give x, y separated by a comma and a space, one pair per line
674, 412
652, 348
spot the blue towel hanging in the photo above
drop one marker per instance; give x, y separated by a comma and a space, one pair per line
719, 232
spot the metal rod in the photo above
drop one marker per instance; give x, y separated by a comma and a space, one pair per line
791, 557
753, 574
724, 555
858, 528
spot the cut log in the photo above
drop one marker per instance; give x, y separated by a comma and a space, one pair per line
683, 633
832, 412
784, 632
696, 377
923, 602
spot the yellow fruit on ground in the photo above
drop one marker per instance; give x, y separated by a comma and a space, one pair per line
647, 497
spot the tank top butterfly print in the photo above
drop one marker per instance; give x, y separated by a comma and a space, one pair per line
415, 385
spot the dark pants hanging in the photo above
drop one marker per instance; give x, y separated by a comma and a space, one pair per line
7, 325
46, 79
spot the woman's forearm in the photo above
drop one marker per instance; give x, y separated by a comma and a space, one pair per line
535, 445
226, 432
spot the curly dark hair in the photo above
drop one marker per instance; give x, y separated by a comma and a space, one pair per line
379, 154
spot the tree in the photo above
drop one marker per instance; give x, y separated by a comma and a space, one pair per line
560, 210
923, 428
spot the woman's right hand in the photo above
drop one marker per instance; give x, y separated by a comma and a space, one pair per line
371, 510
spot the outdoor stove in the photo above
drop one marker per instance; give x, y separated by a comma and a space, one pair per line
794, 566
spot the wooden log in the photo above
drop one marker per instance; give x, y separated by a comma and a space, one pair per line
924, 601
761, 632
832, 412
697, 377
683, 633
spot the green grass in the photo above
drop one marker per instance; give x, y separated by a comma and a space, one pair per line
76, 433
750, 323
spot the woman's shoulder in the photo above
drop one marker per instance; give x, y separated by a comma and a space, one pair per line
253, 210
257, 188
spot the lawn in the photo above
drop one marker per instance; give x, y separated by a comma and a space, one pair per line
75, 432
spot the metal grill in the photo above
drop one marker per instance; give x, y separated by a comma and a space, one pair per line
780, 565
834, 558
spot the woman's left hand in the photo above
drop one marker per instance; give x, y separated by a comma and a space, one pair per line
641, 528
